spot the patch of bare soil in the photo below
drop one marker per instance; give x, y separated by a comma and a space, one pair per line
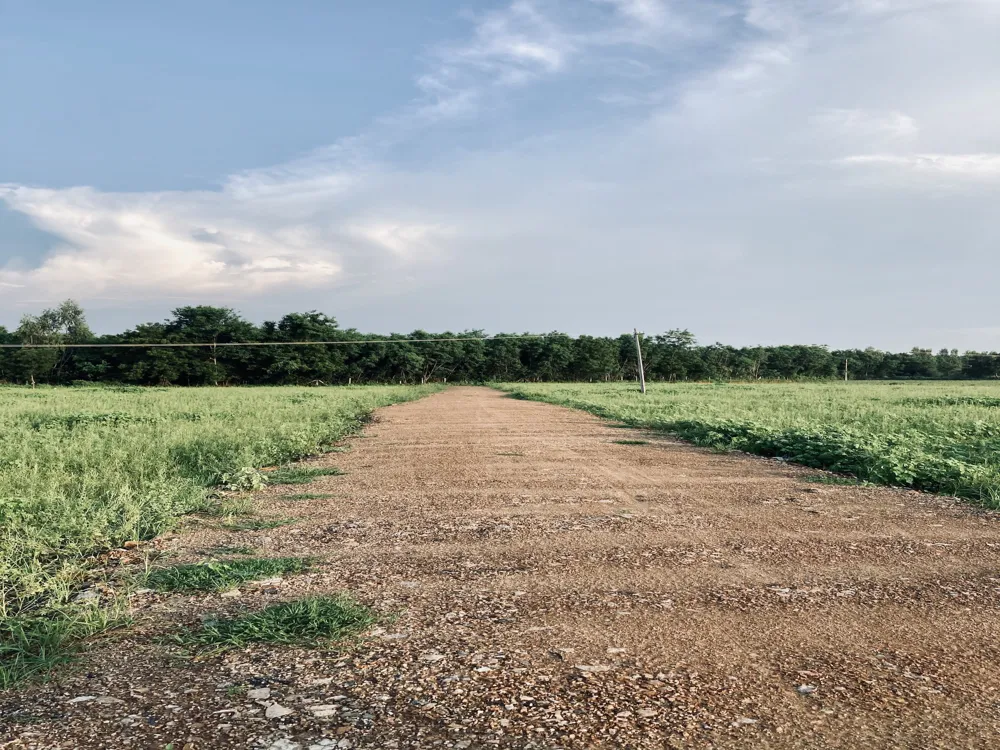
545, 587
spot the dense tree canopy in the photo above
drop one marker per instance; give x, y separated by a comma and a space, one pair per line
364, 358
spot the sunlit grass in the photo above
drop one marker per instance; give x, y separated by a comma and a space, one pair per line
300, 623
222, 575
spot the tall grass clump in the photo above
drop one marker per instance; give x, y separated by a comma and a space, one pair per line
939, 437
87, 469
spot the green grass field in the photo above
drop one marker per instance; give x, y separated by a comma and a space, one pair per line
86, 469
935, 436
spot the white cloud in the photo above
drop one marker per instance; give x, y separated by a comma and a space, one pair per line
509, 47
958, 165
866, 124
403, 240
651, 13
169, 243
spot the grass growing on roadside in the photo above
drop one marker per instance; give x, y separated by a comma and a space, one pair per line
934, 436
83, 470
307, 496
31, 646
630, 442
300, 474
223, 575
304, 622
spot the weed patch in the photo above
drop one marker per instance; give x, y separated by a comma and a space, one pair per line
305, 622
220, 576
307, 496
34, 645
631, 442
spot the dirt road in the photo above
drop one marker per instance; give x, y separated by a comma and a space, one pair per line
553, 588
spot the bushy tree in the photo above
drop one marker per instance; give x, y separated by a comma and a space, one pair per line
52, 329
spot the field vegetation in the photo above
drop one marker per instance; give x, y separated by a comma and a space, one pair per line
940, 437
84, 470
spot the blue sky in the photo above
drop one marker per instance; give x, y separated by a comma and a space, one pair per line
759, 171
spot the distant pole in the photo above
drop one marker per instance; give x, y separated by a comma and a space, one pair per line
845, 369
638, 354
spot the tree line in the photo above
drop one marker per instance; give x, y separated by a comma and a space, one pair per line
367, 358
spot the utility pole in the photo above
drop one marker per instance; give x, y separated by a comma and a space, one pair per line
845, 369
638, 354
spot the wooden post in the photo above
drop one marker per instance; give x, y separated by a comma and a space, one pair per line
845, 369
638, 354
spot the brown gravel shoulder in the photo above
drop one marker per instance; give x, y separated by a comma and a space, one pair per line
543, 586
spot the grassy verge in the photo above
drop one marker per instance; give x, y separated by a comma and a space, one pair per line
84, 470
937, 437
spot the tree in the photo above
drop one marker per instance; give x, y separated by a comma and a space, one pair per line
593, 358
548, 358
502, 358
214, 325
671, 355
65, 324
324, 363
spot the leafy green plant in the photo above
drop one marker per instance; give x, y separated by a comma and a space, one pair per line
246, 479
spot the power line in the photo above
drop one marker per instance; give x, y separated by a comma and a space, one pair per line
212, 344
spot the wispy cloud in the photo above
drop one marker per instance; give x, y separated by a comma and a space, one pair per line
975, 166
867, 124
